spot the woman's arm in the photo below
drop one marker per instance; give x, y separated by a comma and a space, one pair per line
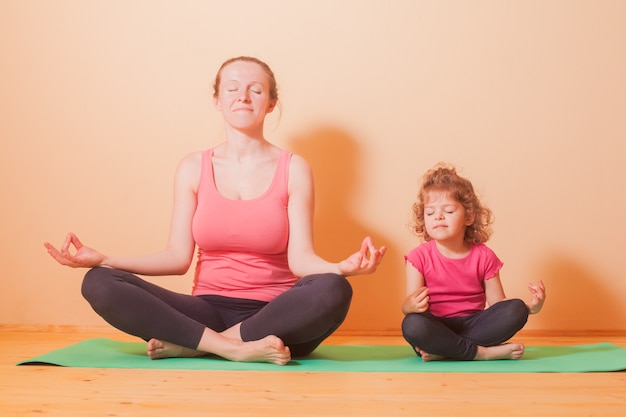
303, 260
175, 259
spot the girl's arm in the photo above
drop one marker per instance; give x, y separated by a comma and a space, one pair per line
495, 293
303, 260
416, 300
493, 290
174, 259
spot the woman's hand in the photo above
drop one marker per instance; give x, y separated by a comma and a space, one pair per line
85, 257
538, 297
416, 302
363, 262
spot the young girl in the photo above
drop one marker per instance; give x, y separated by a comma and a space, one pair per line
454, 275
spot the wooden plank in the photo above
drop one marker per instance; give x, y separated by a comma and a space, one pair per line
57, 391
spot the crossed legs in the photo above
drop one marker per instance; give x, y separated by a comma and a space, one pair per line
477, 337
183, 325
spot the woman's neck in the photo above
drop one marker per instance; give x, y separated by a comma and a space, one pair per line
241, 144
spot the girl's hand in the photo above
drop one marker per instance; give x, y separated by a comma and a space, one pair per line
85, 257
359, 263
416, 302
538, 297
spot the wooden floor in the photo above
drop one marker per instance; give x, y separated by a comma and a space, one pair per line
67, 392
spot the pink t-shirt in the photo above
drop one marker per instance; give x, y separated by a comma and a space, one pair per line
242, 244
455, 286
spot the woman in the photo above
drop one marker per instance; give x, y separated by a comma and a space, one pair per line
261, 293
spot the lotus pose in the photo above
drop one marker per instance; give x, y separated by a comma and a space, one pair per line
260, 291
453, 275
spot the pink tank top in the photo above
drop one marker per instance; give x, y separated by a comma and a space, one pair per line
242, 244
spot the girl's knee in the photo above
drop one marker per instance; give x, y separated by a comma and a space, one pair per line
413, 324
517, 311
519, 307
414, 329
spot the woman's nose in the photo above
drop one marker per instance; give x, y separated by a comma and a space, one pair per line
244, 96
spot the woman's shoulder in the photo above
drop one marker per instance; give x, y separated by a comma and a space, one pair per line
192, 160
298, 161
189, 168
298, 165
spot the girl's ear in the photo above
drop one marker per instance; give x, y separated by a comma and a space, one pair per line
469, 218
216, 103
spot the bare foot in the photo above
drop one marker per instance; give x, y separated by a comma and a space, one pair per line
505, 351
158, 349
269, 349
427, 357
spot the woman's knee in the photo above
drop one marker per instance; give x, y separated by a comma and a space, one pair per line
336, 287
95, 283
341, 286
331, 287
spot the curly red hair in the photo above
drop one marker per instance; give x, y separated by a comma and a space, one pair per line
444, 178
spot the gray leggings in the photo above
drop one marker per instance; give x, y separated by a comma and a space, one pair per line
459, 337
302, 316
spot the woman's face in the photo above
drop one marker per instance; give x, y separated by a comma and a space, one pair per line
244, 95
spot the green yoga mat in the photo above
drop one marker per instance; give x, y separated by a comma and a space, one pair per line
106, 353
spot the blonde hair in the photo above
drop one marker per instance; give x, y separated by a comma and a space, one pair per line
444, 178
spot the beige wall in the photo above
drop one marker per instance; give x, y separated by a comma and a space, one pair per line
100, 99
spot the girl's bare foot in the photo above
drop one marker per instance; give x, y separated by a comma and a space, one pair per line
505, 351
158, 349
427, 357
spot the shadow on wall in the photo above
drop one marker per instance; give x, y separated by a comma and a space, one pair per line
334, 159
574, 299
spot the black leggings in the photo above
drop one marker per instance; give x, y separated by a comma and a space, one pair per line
302, 317
459, 337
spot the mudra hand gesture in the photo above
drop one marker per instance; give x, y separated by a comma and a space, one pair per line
84, 256
359, 263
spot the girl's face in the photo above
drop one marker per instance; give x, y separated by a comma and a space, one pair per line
445, 218
243, 96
